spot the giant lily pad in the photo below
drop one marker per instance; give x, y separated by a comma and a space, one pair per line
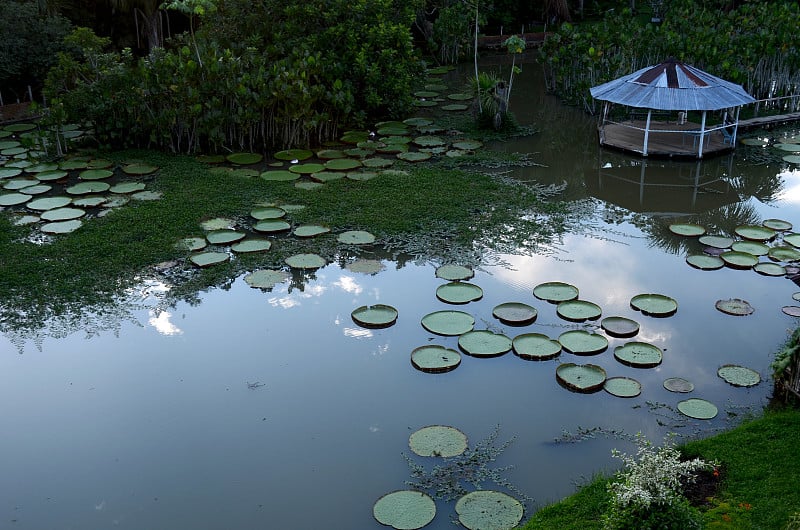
127, 187
271, 225
639, 354
279, 175
454, 272
582, 342
686, 229
84, 188
224, 237
535, 346
777, 224
738, 375
555, 292
484, 343
433, 358
36, 190
678, 384
770, 269
657, 305
620, 326
581, 377
716, 241
9, 172
139, 169
366, 266
294, 154
459, 292
448, 323
755, 232
405, 509
18, 184
48, 203
739, 260
429, 141
307, 169
95, 174
792, 239
251, 245
342, 164
578, 310
750, 247
375, 316
515, 313
56, 174
330, 154
623, 387
244, 159
489, 510
356, 237
306, 261
414, 156
207, 259
438, 440
266, 278
13, 199
192, 243
267, 212
62, 214
785, 254
734, 306
328, 176
91, 201
310, 230
61, 227
699, 409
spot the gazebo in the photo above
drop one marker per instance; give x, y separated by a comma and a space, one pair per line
659, 104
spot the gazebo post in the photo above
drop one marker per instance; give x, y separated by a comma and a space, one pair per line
646, 132
735, 126
702, 135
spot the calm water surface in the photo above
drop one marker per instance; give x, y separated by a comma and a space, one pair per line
274, 410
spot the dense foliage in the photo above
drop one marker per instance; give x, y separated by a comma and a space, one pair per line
250, 77
756, 45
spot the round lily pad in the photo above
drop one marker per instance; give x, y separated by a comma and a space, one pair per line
484, 343
18, 184
433, 358
792, 148
95, 174
535, 346
777, 224
377, 162
448, 323
47, 176
224, 237
792, 239
271, 225
294, 154
310, 230
454, 272
48, 203
9, 172
734, 306
657, 305
192, 243
460, 96
342, 164
578, 310
678, 384
266, 278
36, 190
459, 292
581, 377
307, 169
207, 259
750, 247
62, 214
770, 269
739, 260
716, 241
139, 169
429, 141
279, 175
366, 266
423, 103
99, 163
686, 229
251, 245
755, 232
754, 141
791, 310
419, 122
13, 199
38, 168
20, 127
792, 159
581, 342
455, 107
83, 188
620, 326
438, 440
330, 154
623, 387
405, 509
555, 292
306, 261
328, 176
515, 313
356, 237
785, 254
267, 212
308, 185
61, 227
738, 375
244, 159
414, 156
375, 316
638, 354
699, 409
353, 137
489, 510
127, 187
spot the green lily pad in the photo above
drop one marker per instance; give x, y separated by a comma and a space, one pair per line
460, 97
224, 236
267, 212
217, 223
271, 225
279, 175
20, 127
459, 293
429, 141
84, 188
127, 187
310, 230
738, 375
791, 310
515, 313
62, 214
13, 199
785, 254
582, 342
716, 241
418, 122
396, 140
404, 510
489, 510
687, 229
623, 387
356, 237
47, 176
438, 440
792, 148
454, 272
484, 343
294, 154
433, 358
414, 156
678, 384
620, 326
468, 145
38, 168
455, 107
244, 159
361, 175
793, 239
8, 144
375, 316
48, 203
366, 266
330, 154
139, 169
770, 269
99, 163
306, 261
555, 292
639, 354
657, 305
750, 247
699, 409
342, 164
755, 232
61, 227
18, 184
14, 151
535, 347
377, 162
583, 378
426, 94
777, 224
760, 142
327, 176
735, 307
307, 169
207, 259
359, 152
251, 245
739, 260
9, 172
266, 278
792, 159
353, 137
578, 310
36, 190
448, 323
192, 244
95, 174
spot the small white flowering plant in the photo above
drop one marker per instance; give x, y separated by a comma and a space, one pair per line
647, 492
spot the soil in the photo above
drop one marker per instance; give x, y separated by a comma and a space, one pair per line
707, 484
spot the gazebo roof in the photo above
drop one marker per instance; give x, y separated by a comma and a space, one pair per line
672, 85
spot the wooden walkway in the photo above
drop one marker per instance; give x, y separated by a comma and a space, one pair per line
666, 139
768, 121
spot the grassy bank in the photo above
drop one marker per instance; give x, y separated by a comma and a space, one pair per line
759, 482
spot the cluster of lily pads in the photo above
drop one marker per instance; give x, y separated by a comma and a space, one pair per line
413, 509
583, 378
55, 196
785, 145
770, 249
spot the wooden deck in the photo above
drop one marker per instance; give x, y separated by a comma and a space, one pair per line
666, 139
768, 121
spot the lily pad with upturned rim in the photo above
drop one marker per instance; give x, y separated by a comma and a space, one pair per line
267, 212
578, 310
404, 510
271, 225
47, 176
366, 266
84, 188
306, 261
716, 241
95, 174
224, 237
515, 313
581, 342
784, 253
770, 269
192, 243
624, 387
739, 260
374, 316
777, 224
310, 230
484, 343
127, 187
207, 259
459, 292
620, 326
791, 310
755, 248
307, 169
489, 510
13, 199
37, 189
678, 384
342, 164
438, 440
535, 347
657, 305
434, 359
555, 292
738, 375
687, 229
251, 245
584, 378
62, 214
699, 409
414, 156
139, 169
448, 323
755, 232
266, 278
244, 159
454, 272
639, 354
735, 307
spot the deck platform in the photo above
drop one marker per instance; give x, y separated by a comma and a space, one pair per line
665, 140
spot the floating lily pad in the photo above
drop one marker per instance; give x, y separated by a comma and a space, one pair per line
438, 440
792, 148
266, 278
8, 144
738, 375
9, 172
294, 154
734, 306
192, 243
459, 293
353, 137
47, 176
307, 169
328, 176
455, 107
770, 269
36, 190
224, 237
429, 141
433, 358
791, 310
251, 245
623, 387
419, 122
686, 229
515, 313
639, 354
146, 195
699, 409
139, 169
18, 184
657, 305
755, 232
361, 175
792, 239
38, 168
405, 510
535, 346
786, 254
750, 247
267, 212
84, 188
95, 174
582, 342
342, 164
62, 214
760, 142
271, 225
127, 187
415, 156
716, 241
423, 103
389, 140
678, 384
374, 316
484, 343
426, 94
91, 201
61, 227
581, 377
20, 127
578, 310
279, 175
489, 510
99, 163
792, 159
366, 266
377, 162
244, 159
555, 292
448, 323
739, 260
207, 259
360, 152
25, 220
13, 199
14, 151
330, 154
777, 224
454, 272
306, 261
356, 237
460, 97
620, 326
310, 230
48, 203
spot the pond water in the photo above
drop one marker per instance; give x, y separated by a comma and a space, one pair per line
253, 409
